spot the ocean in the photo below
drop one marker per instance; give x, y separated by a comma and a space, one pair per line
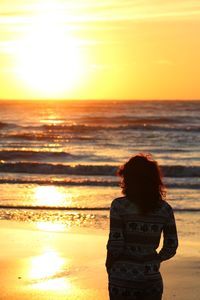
58, 159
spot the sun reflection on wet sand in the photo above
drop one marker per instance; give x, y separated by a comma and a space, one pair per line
49, 226
49, 272
53, 284
46, 265
37, 264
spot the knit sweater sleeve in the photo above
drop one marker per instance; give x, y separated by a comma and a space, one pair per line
115, 245
170, 238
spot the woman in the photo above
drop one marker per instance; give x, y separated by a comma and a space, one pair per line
136, 223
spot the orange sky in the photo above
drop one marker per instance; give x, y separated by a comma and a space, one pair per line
109, 49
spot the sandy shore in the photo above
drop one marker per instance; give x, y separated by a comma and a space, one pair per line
47, 264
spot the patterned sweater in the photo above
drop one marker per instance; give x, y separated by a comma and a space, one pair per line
134, 238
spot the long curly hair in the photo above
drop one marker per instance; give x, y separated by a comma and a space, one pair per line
142, 182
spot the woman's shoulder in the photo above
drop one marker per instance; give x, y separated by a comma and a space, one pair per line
119, 203
122, 205
166, 204
166, 208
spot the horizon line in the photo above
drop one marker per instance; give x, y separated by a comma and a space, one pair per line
97, 100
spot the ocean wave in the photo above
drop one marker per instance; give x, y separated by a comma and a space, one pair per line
105, 170
60, 156
47, 136
69, 182
7, 125
2, 125
48, 168
70, 219
125, 119
48, 131
124, 126
39, 155
87, 182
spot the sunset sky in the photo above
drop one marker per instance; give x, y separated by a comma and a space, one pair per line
108, 49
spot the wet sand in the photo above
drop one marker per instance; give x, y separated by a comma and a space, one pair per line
45, 264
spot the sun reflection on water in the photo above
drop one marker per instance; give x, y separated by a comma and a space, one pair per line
51, 196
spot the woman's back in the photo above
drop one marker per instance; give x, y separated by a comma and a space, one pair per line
134, 238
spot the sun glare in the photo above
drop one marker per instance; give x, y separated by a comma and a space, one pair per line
48, 57
49, 226
45, 272
46, 265
51, 196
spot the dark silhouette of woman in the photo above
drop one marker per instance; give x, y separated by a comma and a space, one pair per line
136, 223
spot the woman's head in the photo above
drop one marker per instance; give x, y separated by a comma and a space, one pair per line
142, 182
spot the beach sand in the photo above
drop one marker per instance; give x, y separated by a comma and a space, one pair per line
45, 264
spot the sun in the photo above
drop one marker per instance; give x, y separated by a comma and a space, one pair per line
49, 59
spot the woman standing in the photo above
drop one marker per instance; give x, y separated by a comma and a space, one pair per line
136, 223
